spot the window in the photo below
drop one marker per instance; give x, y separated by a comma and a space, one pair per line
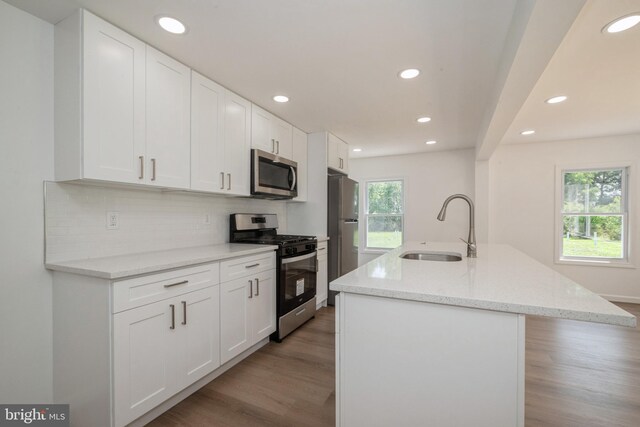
384, 213
594, 216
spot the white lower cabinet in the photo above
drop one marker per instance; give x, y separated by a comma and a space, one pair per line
247, 312
161, 348
124, 347
322, 276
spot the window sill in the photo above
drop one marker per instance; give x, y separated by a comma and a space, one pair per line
594, 263
375, 251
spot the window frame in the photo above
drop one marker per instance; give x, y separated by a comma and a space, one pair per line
366, 214
627, 213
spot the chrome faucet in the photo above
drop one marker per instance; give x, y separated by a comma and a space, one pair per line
471, 240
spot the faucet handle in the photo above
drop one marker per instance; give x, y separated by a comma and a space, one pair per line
468, 244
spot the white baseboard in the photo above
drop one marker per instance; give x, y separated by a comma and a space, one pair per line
621, 298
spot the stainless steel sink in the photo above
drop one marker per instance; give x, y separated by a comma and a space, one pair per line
432, 256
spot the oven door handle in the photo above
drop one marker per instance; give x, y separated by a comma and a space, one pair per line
298, 258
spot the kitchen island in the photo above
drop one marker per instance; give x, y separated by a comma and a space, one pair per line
442, 343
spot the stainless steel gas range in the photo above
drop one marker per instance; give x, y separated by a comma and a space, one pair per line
296, 263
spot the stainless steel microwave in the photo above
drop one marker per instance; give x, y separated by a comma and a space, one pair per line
272, 176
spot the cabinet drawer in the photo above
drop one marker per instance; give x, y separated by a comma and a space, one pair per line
143, 290
246, 266
322, 250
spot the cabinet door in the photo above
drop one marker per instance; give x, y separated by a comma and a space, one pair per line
261, 122
237, 144
114, 102
283, 134
198, 322
333, 157
322, 278
168, 121
235, 333
263, 310
144, 359
207, 134
343, 156
299, 155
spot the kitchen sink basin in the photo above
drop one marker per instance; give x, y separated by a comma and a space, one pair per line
432, 256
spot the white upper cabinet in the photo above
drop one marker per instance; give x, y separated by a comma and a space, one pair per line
299, 155
99, 101
220, 138
168, 121
337, 154
270, 133
237, 143
207, 134
122, 108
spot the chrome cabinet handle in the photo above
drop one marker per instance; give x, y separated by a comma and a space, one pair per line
252, 265
173, 316
141, 158
321, 249
184, 312
250, 289
222, 178
176, 284
229, 183
257, 287
153, 169
317, 266
277, 147
273, 145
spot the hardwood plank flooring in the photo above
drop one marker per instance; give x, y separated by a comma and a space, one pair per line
578, 374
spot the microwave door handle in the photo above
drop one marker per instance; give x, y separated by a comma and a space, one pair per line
293, 172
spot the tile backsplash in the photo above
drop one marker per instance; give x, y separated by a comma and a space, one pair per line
148, 220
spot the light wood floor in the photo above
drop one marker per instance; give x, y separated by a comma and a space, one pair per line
577, 374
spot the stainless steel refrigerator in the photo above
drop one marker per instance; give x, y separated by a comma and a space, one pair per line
342, 227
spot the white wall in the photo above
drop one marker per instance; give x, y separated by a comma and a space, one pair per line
148, 220
429, 178
26, 138
522, 205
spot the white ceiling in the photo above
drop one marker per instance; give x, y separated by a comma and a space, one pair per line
338, 62
599, 72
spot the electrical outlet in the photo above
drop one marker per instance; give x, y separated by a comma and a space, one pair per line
112, 220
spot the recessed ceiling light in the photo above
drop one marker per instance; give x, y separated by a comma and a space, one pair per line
280, 98
430, 142
623, 23
528, 132
171, 25
423, 119
357, 150
556, 99
409, 73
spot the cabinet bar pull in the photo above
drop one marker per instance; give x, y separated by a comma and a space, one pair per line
257, 287
317, 265
277, 147
153, 169
222, 178
252, 265
321, 249
173, 316
176, 284
141, 176
229, 183
250, 288
273, 145
184, 312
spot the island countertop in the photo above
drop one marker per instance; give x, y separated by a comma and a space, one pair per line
501, 278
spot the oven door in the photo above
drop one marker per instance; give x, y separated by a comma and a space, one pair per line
297, 281
273, 176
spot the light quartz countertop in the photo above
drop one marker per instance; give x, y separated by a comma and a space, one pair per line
501, 278
322, 238
118, 267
